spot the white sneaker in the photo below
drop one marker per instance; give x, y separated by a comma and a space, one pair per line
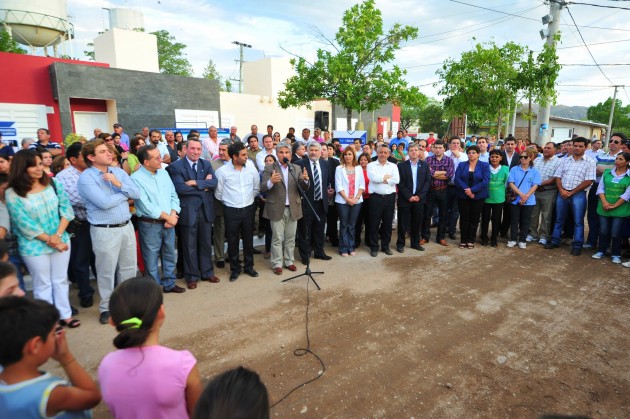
626, 264
587, 246
616, 259
522, 245
511, 244
542, 241
598, 255
530, 238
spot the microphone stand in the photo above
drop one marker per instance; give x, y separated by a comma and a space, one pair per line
307, 273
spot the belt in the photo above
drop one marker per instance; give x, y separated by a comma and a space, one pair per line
547, 188
111, 225
151, 220
438, 188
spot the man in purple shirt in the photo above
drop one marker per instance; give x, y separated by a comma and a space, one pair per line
442, 169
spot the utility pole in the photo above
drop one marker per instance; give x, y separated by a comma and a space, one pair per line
610, 119
241, 60
553, 23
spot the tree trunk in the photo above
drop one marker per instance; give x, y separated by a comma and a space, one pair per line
529, 119
349, 119
507, 122
499, 125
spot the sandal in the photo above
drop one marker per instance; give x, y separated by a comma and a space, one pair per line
462, 245
470, 245
72, 324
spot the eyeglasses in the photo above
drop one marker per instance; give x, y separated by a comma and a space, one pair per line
524, 157
109, 139
615, 142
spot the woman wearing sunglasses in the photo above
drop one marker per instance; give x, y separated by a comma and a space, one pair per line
523, 180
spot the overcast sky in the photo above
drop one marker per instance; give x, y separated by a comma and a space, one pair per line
446, 29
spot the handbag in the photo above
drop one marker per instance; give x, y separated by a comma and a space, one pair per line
510, 195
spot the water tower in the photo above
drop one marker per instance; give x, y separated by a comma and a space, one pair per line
128, 19
36, 23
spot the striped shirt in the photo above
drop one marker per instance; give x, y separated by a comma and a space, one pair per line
547, 168
69, 178
573, 172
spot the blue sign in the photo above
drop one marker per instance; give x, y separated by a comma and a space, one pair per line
348, 137
203, 132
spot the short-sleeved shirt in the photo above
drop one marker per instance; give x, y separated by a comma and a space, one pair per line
526, 179
574, 172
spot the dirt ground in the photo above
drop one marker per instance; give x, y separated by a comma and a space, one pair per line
441, 333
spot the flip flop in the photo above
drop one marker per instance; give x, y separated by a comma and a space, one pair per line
72, 324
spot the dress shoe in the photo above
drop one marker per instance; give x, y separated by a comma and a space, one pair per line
420, 248
87, 302
304, 261
74, 310
221, 264
176, 290
551, 246
443, 243
576, 252
373, 253
191, 285
277, 271
251, 273
104, 317
257, 252
234, 276
292, 268
451, 236
484, 243
323, 257
212, 279
387, 251
399, 249
423, 242
179, 275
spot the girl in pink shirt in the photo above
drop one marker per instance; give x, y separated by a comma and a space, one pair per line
142, 379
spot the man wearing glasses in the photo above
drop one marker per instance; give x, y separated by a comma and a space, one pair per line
603, 162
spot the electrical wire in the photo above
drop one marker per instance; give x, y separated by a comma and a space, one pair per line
587, 48
302, 352
596, 5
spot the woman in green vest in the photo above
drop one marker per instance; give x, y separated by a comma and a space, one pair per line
613, 207
493, 206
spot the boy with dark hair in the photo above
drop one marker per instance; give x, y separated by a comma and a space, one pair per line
29, 339
9, 284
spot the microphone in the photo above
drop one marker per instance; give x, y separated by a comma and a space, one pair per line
285, 160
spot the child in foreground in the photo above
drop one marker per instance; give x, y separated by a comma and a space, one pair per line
142, 379
29, 339
9, 283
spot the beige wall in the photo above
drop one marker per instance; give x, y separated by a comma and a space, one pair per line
245, 110
266, 77
128, 50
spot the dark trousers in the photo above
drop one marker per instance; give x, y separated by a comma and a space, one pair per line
332, 232
311, 231
410, 217
592, 216
197, 249
81, 258
381, 219
469, 213
491, 212
362, 220
453, 210
521, 216
239, 225
439, 200
507, 219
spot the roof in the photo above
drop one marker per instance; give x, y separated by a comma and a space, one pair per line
578, 121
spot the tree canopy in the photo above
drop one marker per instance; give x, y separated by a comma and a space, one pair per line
210, 72
8, 44
601, 113
352, 73
171, 56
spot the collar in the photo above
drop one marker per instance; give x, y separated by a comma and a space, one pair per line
190, 162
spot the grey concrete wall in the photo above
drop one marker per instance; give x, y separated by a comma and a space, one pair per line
142, 99
339, 112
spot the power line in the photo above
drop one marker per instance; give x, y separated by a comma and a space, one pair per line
587, 48
593, 65
597, 5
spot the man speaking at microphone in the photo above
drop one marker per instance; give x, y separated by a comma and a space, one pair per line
283, 207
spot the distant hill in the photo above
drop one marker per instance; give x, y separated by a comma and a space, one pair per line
563, 111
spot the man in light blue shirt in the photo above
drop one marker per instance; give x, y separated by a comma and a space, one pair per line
157, 210
105, 191
156, 139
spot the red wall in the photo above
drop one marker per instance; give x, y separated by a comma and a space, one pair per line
25, 79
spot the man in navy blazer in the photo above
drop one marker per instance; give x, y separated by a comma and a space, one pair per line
310, 230
511, 157
415, 179
194, 182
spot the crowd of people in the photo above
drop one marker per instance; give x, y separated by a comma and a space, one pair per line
116, 205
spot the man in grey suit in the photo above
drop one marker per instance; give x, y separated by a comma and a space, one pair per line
195, 182
283, 207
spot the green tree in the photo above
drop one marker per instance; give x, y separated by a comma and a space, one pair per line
352, 73
431, 117
210, 72
482, 82
411, 104
8, 44
601, 113
171, 55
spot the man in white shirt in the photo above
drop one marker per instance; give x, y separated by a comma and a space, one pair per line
267, 149
238, 185
456, 154
156, 139
384, 177
482, 143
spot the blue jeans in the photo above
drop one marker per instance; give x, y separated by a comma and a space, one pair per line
156, 241
610, 226
19, 267
347, 219
576, 204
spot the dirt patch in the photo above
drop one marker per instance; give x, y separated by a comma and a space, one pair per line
442, 333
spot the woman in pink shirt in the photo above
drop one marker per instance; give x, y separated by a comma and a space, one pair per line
142, 379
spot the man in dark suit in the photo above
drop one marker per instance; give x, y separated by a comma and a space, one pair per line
283, 207
415, 179
510, 159
332, 232
195, 182
310, 229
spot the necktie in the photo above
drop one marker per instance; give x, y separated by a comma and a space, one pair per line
195, 168
318, 184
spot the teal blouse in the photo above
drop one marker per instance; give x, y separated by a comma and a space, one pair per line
38, 213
